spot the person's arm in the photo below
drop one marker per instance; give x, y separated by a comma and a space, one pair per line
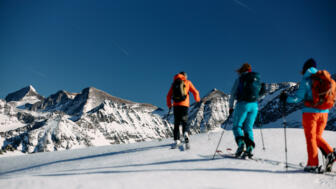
169, 95
262, 89
195, 92
233, 93
300, 94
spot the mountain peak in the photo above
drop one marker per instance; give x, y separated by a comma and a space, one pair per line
94, 97
90, 89
31, 88
213, 94
100, 96
24, 92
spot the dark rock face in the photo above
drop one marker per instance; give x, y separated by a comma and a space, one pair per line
24, 92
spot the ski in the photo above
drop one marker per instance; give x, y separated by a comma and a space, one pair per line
297, 167
256, 159
322, 170
176, 146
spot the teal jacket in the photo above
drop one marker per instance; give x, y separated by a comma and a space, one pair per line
233, 93
305, 92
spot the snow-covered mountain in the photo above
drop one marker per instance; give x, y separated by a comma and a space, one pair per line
68, 120
77, 104
210, 113
31, 123
23, 96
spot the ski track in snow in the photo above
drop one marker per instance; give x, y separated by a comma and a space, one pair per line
154, 165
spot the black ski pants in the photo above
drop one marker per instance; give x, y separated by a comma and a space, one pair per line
180, 118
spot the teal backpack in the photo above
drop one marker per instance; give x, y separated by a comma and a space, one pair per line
249, 87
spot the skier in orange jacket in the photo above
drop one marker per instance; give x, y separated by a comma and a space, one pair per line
181, 105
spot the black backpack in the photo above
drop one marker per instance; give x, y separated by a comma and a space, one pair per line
179, 90
249, 87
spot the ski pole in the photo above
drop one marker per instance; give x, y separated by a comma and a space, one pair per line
285, 133
220, 139
261, 133
262, 139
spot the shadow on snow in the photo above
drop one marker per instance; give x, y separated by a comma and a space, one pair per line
85, 158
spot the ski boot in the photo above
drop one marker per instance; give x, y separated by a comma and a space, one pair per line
248, 153
186, 140
176, 144
241, 148
330, 159
313, 169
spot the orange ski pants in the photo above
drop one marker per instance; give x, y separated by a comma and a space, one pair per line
314, 125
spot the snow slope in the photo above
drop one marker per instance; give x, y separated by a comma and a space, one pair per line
154, 165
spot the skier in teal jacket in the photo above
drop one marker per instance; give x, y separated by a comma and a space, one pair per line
245, 113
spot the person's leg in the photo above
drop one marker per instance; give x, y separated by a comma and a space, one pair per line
239, 117
248, 126
321, 143
309, 121
177, 122
327, 150
184, 122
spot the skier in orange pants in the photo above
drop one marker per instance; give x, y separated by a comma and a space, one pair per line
314, 117
313, 125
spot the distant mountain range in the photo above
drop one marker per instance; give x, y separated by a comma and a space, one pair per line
32, 123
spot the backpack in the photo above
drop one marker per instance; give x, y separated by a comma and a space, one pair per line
179, 90
323, 90
249, 87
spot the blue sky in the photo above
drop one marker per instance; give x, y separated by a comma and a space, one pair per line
132, 48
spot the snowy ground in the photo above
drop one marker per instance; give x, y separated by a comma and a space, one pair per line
155, 165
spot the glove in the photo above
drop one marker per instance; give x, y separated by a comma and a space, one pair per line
258, 122
231, 111
262, 89
283, 97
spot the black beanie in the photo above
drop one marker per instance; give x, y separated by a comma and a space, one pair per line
308, 64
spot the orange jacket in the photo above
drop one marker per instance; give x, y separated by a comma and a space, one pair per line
189, 87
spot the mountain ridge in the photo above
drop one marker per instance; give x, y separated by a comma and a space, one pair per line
66, 120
